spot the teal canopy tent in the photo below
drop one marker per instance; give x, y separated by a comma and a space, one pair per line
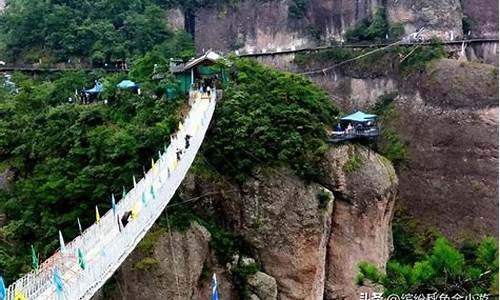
98, 87
127, 84
359, 116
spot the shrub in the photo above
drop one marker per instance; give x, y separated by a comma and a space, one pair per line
375, 29
298, 8
389, 142
324, 198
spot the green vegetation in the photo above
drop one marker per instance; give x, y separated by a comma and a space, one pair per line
324, 198
269, 117
96, 32
418, 58
445, 269
67, 158
298, 8
374, 29
241, 272
467, 24
390, 144
352, 164
425, 262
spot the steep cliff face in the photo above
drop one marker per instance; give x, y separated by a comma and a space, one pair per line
254, 25
441, 19
483, 16
451, 126
308, 238
448, 117
362, 217
304, 242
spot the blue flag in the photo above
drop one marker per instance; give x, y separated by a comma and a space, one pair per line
152, 191
58, 283
113, 204
3, 291
215, 292
143, 198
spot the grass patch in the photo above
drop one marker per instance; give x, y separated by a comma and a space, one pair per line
145, 263
352, 164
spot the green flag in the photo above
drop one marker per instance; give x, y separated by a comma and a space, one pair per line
81, 259
34, 258
124, 193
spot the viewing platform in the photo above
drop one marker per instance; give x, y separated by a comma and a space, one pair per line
358, 125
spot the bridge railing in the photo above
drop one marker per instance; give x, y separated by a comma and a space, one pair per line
105, 245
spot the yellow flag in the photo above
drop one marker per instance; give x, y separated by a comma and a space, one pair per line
135, 211
153, 166
97, 215
180, 126
19, 296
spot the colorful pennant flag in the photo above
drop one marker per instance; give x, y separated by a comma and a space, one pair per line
152, 192
56, 277
135, 182
81, 259
124, 193
19, 296
113, 204
135, 211
119, 223
143, 199
79, 225
34, 258
3, 290
97, 215
215, 292
61, 242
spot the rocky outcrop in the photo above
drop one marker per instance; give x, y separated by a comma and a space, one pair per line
362, 216
308, 238
289, 229
306, 244
159, 273
263, 286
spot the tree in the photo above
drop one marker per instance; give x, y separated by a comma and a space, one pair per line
445, 270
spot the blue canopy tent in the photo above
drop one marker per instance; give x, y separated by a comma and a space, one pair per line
127, 84
98, 88
359, 116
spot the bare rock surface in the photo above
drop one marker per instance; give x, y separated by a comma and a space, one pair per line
264, 286
283, 221
362, 216
161, 274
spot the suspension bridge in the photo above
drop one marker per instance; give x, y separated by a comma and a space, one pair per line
81, 267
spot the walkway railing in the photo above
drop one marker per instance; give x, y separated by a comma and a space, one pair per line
102, 247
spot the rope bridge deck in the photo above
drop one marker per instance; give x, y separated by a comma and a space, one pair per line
105, 245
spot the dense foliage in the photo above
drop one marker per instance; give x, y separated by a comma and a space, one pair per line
375, 29
424, 262
269, 117
95, 32
444, 270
